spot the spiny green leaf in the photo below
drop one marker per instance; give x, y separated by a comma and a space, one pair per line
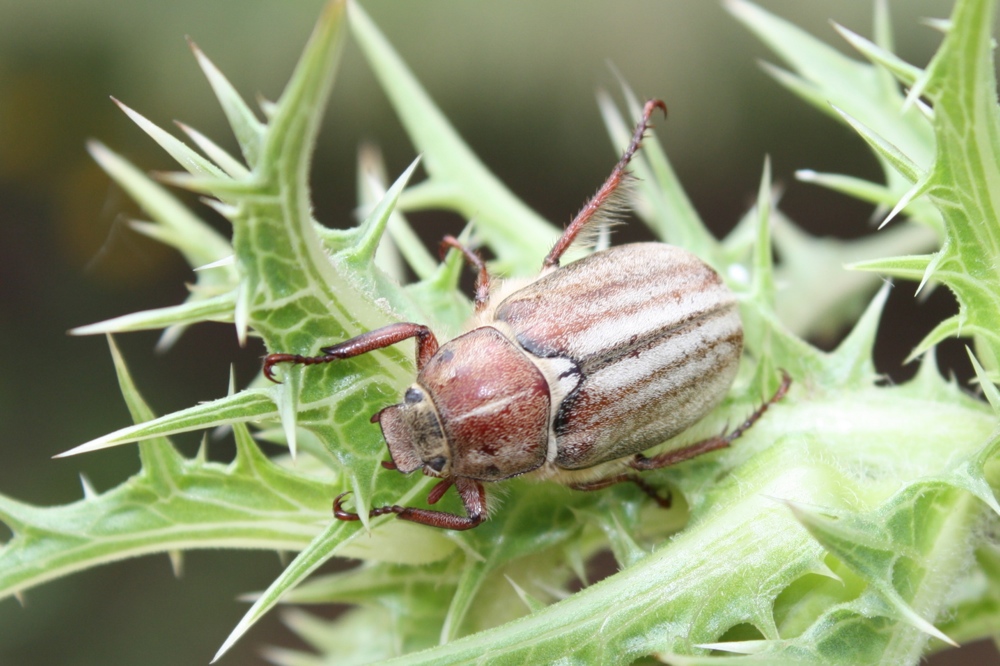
836, 79
530, 602
763, 262
308, 560
890, 153
371, 189
215, 308
185, 156
880, 195
160, 460
970, 475
990, 390
918, 189
195, 239
176, 226
852, 364
910, 268
361, 255
248, 130
906, 73
172, 504
949, 328
248, 405
904, 550
516, 233
233, 168
808, 303
369, 634
375, 581
964, 182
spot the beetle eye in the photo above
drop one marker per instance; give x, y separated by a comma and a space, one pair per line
436, 464
413, 395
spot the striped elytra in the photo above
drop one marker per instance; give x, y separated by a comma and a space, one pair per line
570, 376
654, 338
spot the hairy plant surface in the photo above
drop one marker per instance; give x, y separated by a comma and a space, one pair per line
854, 524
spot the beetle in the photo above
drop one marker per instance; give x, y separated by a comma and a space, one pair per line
570, 375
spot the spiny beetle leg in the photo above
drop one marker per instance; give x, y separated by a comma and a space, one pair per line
642, 463
607, 190
786, 382
476, 261
380, 338
473, 497
626, 477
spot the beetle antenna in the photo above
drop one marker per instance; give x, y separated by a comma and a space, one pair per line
606, 194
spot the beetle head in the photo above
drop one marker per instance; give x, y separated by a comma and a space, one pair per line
414, 435
479, 410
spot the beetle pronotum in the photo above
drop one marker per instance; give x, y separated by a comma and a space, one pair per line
570, 375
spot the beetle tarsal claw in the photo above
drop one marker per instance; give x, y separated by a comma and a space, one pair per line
338, 509
270, 361
340, 513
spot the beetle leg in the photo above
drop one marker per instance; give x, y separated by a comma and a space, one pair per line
438, 491
642, 463
607, 190
625, 477
380, 338
476, 261
473, 497
786, 381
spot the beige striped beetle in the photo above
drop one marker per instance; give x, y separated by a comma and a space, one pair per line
570, 375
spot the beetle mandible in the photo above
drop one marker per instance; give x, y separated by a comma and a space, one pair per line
570, 375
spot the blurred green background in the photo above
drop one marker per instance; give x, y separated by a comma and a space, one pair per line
516, 78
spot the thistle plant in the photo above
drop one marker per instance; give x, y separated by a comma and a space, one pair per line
854, 524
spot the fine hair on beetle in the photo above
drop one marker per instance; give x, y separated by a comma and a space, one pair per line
568, 376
